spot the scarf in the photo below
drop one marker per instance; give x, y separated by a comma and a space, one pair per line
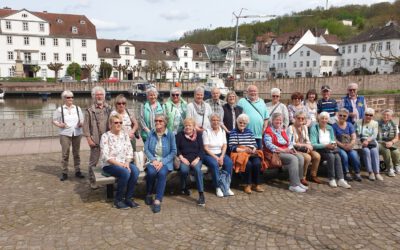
200, 110
192, 137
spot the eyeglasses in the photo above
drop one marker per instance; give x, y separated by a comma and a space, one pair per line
300, 118
275, 96
158, 121
368, 115
296, 98
352, 89
116, 123
174, 95
69, 97
242, 123
344, 116
121, 103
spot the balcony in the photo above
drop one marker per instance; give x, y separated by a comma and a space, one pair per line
31, 62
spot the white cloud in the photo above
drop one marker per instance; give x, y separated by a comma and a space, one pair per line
174, 15
77, 5
102, 25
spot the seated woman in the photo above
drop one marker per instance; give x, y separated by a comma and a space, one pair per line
388, 136
346, 138
322, 138
367, 132
276, 140
115, 159
241, 140
215, 145
298, 134
189, 144
160, 150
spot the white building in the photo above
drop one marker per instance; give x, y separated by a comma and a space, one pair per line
40, 38
373, 50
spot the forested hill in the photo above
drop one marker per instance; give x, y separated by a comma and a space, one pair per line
364, 17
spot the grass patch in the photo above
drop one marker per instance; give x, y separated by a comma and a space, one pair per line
375, 92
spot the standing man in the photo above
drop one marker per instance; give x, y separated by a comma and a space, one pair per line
354, 103
216, 103
257, 111
96, 124
327, 104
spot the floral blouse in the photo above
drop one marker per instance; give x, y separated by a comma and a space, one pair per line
117, 147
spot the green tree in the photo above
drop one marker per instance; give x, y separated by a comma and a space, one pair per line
105, 70
35, 69
56, 67
74, 70
89, 68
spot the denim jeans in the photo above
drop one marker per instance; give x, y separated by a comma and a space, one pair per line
152, 175
371, 159
198, 175
213, 167
126, 180
350, 157
253, 171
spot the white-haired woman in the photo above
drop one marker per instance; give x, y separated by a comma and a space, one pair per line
199, 110
388, 136
275, 106
322, 138
241, 140
69, 119
116, 157
175, 108
277, 141
367, 133
148, 111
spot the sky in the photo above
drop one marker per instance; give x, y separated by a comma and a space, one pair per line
163, 20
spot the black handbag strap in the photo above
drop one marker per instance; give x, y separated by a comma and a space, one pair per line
255, 108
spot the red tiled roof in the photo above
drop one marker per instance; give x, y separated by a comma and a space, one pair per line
102, 44
331, 39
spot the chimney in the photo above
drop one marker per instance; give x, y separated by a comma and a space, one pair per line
45, 11
7, 8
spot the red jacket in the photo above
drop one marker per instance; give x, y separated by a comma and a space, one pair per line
269, 132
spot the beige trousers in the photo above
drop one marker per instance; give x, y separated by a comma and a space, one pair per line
66, 143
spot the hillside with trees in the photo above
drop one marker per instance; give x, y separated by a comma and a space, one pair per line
364, 17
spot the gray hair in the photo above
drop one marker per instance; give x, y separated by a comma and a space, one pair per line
352, 85
388, 111
199, 89
343, 110
275, 91
215, 115
98, 89
250, 86
275, 115
243, 117
174, 90
66, 93
300, 113
370, 111
163, 117
215, 88
324, 114
231, 92
151, 90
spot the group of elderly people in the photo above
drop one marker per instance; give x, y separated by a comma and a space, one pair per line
230, 137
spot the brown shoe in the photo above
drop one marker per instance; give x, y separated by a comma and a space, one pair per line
247, 189
304, 182
257, 188
316, 180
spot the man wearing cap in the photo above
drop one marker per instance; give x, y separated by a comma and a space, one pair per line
355, 104
327, 104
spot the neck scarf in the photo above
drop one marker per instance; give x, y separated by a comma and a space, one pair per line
191, 137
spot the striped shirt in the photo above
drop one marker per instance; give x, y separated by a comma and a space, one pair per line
238, 138
329, 106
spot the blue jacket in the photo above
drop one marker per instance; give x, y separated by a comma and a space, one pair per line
360, 104
168, 148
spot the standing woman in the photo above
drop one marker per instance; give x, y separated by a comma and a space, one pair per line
275, 106
148, 111
69, 118
175, 108
116, 157
231, 112
189, 145
199, 110
367, 132
311, 106
130, 125
160, 150
295, 106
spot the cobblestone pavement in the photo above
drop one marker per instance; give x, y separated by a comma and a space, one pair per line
37, 211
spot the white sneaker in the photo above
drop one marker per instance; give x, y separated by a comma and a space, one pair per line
391, 173
332, 183
230, 193
397, 169
342, 183
371, 177
303, 187
297, 189
219, 193
379, 177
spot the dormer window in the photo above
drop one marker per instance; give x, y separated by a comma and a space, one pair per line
74, 30
200, 54
143, 51
108, 50
24, 15
82, 22
167, 53
59, 20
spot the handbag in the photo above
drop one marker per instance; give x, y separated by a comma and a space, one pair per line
273, 159
301, 149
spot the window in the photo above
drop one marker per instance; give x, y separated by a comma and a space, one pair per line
308, 53
11, 71
348, 49
200, 54
247, 53
115, 74
68, 42
273, 57
10, 55
56, 57
294, 64
43, 56
314, 63
364, 47
355, 48
9, 39
371, 62
254, 64
25, 26
301, 53
82, 22
330, 63
8, 25
308, 64
197, 65
127, 52
83, 43
24, 15
42, 41
186, 65
387, 45
343, 50
139, 63
185, 53
27, 56
207, 65
354, 62
246, 64
324, 63
127, 62
115, 62
68, 57
372, 46
108, 50
59, 20
167, 53
26, 40
41, 27
379, 61
55, 41
342, 62
301, 64
143, 52
348, 62
74, 30
336, 63
102, 60
84, 57
380, 46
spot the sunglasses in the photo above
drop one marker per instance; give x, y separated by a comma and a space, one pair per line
242, 123
175, 95
343, 116
275, 96
69, 97
121, 103
116, 123
368, 115
352, 89
158, 121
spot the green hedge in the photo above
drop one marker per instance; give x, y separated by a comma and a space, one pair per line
21, 79
50, 79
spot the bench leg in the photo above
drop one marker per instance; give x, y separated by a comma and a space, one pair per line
110, 191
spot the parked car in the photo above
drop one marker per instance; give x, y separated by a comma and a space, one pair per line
66, 78
86, 80
112, 80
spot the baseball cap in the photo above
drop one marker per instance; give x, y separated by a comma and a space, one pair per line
325, 87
